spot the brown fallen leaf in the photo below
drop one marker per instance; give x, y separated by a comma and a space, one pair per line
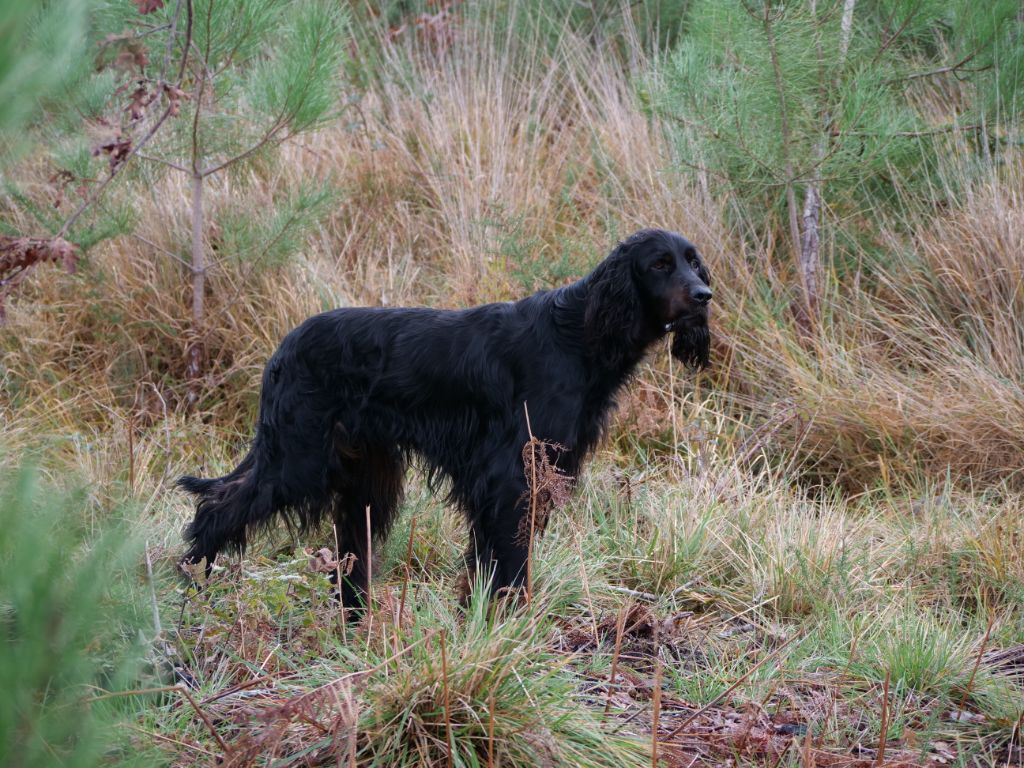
148, 6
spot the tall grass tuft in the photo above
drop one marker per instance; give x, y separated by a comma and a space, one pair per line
497, 693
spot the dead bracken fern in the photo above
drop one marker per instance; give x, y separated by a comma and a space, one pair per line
548, 487
308, 729
18, 255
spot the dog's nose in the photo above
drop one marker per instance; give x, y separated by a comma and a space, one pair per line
701, 295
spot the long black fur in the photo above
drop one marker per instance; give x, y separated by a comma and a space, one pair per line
352, 395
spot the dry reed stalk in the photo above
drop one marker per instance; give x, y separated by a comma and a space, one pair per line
977, 663
619, 628
408, 573
884, 730
131, 453
369, 575
656, 700
807, 750
447, 700
533, 509
490, 730
337, 568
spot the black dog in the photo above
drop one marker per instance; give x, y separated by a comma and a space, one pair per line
352, 394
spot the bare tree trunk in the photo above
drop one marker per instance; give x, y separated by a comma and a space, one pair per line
846, 29
787, 157
810, 238
810, 247
198, 265
195, 351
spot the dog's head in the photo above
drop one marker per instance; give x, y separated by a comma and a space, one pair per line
655, 282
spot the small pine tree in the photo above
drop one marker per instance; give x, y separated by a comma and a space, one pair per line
802, 109
68, 630
197, 87
259, 72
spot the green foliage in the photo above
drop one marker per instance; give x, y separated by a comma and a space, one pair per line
918, 653
264, 70
271, 241
764, 98
65, 632
991, 39
298, 81
733, 114
41, 43
605, 22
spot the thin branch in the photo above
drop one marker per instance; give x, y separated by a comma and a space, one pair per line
679, 728
279, 124
895, 35
206, 720
940, 71
161, 161
916, 134
164, 251
114, 172
650, 597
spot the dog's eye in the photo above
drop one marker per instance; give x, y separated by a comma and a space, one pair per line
692, 260
662, 264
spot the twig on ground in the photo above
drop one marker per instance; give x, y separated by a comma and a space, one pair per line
884, 730
679, 728
206, 720
977, 663
648, 596
619, 626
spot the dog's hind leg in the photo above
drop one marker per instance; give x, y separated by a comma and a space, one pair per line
372, 479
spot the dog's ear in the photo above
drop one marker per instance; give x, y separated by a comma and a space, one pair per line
612, 320
692, 345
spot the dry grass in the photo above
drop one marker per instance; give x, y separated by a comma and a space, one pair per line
479, 173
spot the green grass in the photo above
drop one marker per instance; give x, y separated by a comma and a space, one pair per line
861, 590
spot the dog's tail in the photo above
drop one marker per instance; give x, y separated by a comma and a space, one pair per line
227, 508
